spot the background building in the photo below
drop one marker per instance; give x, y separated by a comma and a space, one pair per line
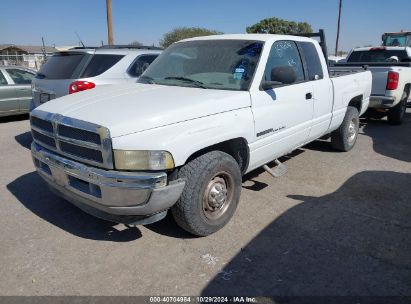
25, 55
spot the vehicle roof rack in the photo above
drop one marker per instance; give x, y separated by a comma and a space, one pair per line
323, 43
126, 46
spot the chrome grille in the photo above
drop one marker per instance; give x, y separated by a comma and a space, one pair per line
42, 124
87, 153
79, 134
76, 139
44, 139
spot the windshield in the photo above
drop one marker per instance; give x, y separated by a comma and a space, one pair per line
379, 55
208, 64
397, 39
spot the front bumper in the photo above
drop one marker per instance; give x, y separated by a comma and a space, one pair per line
123, 197
382, 102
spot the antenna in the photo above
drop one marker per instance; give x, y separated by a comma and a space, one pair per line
78, 36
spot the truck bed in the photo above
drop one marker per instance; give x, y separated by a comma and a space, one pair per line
349, 84
343, 71
379, 72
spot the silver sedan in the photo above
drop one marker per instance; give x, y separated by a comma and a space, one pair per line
15, 90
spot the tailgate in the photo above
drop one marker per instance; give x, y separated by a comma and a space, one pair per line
48, 89
379, 80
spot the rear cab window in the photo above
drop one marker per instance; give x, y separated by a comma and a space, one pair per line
378, 55
312, 60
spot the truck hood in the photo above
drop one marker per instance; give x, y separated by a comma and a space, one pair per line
132, 108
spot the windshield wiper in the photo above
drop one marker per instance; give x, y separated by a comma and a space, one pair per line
146, 79
197, 83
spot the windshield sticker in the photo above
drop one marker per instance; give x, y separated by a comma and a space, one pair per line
239, 73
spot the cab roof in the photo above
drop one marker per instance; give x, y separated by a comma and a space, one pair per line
259, 37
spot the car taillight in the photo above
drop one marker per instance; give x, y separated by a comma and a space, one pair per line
392, 82
78, 86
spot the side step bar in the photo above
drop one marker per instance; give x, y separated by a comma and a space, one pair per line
278, 171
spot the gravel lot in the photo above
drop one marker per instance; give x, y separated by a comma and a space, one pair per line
336, 224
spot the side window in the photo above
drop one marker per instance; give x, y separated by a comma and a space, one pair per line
140, 65
312, 60
3, 80
284, 53
20, 76
100, 64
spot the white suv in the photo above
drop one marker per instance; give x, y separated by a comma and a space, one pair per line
82, 69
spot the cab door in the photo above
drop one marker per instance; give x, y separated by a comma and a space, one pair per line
22, 86
322, 88
8, 102
283, 114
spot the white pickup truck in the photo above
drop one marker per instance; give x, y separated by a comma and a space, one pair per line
391, 84
207, 111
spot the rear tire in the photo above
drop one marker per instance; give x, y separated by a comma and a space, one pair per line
345, 137
211, 194
397, 113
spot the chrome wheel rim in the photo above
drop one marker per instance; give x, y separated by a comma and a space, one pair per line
218, 195
352, 130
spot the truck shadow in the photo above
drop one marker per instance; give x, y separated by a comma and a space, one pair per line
24, 139
34, 194
12, 118
354, 241
388, 140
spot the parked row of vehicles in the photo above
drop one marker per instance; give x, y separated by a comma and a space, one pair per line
70, 72
204, 113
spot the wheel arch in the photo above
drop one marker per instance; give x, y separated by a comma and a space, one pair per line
237, 147
356, 102
407, 89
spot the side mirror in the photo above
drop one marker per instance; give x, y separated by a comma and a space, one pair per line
279, 76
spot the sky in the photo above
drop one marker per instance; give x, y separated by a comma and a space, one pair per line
25, 22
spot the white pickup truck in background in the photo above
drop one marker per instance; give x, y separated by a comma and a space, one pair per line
391, 71
206, 112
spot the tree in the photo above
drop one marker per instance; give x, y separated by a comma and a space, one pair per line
279, 26
135, 43
184, 33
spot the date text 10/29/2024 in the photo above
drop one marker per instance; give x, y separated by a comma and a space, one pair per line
187, 299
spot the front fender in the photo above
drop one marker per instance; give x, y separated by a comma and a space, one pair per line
185, 138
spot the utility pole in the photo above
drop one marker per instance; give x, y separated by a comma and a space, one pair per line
43, 49
109, 23
338, 29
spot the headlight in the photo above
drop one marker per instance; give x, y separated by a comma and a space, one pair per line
143, 160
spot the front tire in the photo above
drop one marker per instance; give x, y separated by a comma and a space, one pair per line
345, 137
397, 113
211, 194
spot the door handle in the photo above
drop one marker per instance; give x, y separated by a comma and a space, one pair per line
309, 96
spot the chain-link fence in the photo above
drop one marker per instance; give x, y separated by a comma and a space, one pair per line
33, 62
